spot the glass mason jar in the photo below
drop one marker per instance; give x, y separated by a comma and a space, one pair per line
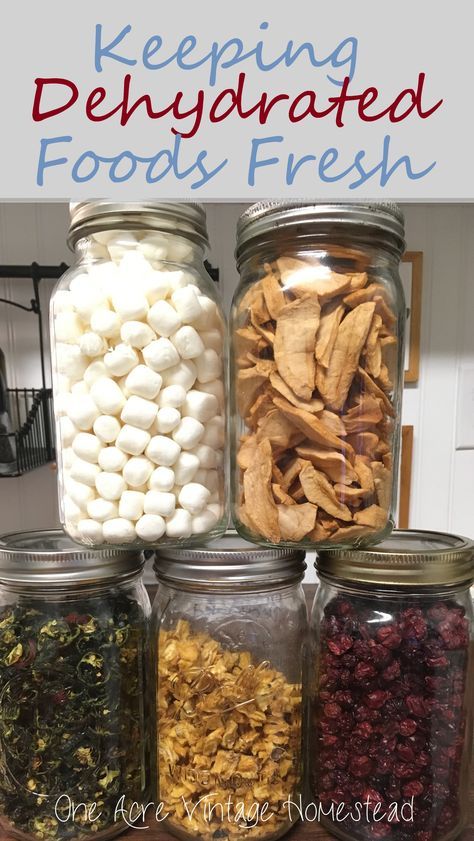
392, 688
138, 350
317, 332
73, 640
230, 627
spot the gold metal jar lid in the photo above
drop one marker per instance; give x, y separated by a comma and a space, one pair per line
405, 559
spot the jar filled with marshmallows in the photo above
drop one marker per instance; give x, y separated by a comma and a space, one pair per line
138, 353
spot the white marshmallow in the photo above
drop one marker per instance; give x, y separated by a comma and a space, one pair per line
209, 365
104, 237
206, 455
91, 530
130, 303
172, 396
163, 451
132, 440
201, 476
107, 428
143, 382
110, 486
187, 342
194, 497
84, 471
120, 244
215, 387
120, 360
67, 458
112, 460
72, 512
162, 479
180, 524
108, 396
63, 386
139, 412
163, 318
80, 494
131, 505
67, 431
70, 361
137, 334
87, 447
200, 405
217, 508
94, 372
185, 468
212, 480
154, 246
62, 302
213, 339
183, 374
160, 503
167, 419
68, 327
214, 433
210, 317
121, 382
102, 510
180, 250
105, 277
119, 530
160, 354
186, 304
150, 527
188, 433
133, 266
83, 411
61, 403
204, 522
106, 323
80, 388
95, 252
91, 344
87, 296
137, 471
156, 286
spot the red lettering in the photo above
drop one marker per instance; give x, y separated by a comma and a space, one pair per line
41, 84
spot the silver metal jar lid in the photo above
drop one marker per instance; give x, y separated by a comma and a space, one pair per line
404, 559
50, 558
185, 218
269, 216
229, 562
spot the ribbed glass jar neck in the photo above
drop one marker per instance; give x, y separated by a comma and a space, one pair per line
40, 590
391, 591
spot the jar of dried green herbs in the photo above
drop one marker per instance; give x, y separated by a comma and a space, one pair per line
73, 631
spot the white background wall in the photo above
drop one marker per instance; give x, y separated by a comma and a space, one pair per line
443, 478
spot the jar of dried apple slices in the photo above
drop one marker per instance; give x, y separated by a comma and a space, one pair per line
317, 348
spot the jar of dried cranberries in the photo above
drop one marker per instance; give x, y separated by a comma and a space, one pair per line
391, 688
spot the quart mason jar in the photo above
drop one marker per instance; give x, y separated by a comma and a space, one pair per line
230, 629
73, 642
392, 688
138, 350
317, 373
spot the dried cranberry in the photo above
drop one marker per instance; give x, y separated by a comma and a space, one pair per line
407, 727
406, 753
340, 645
364, 729
360, 766
364, 671
417, 705
391, 671
332, 710
404, 770
413, 624
377, 699
389, 636
380, 830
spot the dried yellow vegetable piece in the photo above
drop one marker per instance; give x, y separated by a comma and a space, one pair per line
294, 345
259, 503
319, 490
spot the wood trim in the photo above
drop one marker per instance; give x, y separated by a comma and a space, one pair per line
416, 259
405, 477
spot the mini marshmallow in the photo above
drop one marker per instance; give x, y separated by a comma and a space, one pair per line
104, 237
167, 419
121, 384
119, 530
110, 486
131, 505
91, 530
84, 471
183, 374
194, 497
201, 476
179, 279
200, 405
160, 503
172, 396
153, 246
112, 460
137, 334
162, 479
210, 317
215, 387
163, 451
143, 382
206, 455
185, 468
105, 277
134, 265
213, 339
209, 365
156, 286
106, 323
120, 360
87, 296
80, 494
68, 327
79, 388
67, 431
130, 304
120, 244
180, 524
108, 396
62, 302
91, 344
214, 433
137, 471
212, 480
72, 513
186, 304
160, 354
188, 343
139, 412
61, 404
70, 361
163, 318
87, 447
102, 510
132, 440
83, 411
67, 458
94, 372
204, 522
107, 428
188, 433
180, 250
150, 527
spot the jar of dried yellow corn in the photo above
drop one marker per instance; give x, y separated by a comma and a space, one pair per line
230, 634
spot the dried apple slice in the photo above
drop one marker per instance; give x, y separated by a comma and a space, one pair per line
313, 428
273, 294
296, 521
373, 516
260, 507
333, 464
331, 317
295, 336
319, 490
312, 405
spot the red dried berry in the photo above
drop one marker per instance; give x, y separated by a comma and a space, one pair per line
375, 700
340, 645
364, 671
389, 636
392, 671
407, 727
360, 766
364, 729
404, 770
416, 705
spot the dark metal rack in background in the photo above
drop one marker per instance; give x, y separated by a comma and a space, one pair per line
30, 443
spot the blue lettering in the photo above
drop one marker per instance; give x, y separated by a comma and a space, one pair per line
101, 52
43, 163
254, 162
